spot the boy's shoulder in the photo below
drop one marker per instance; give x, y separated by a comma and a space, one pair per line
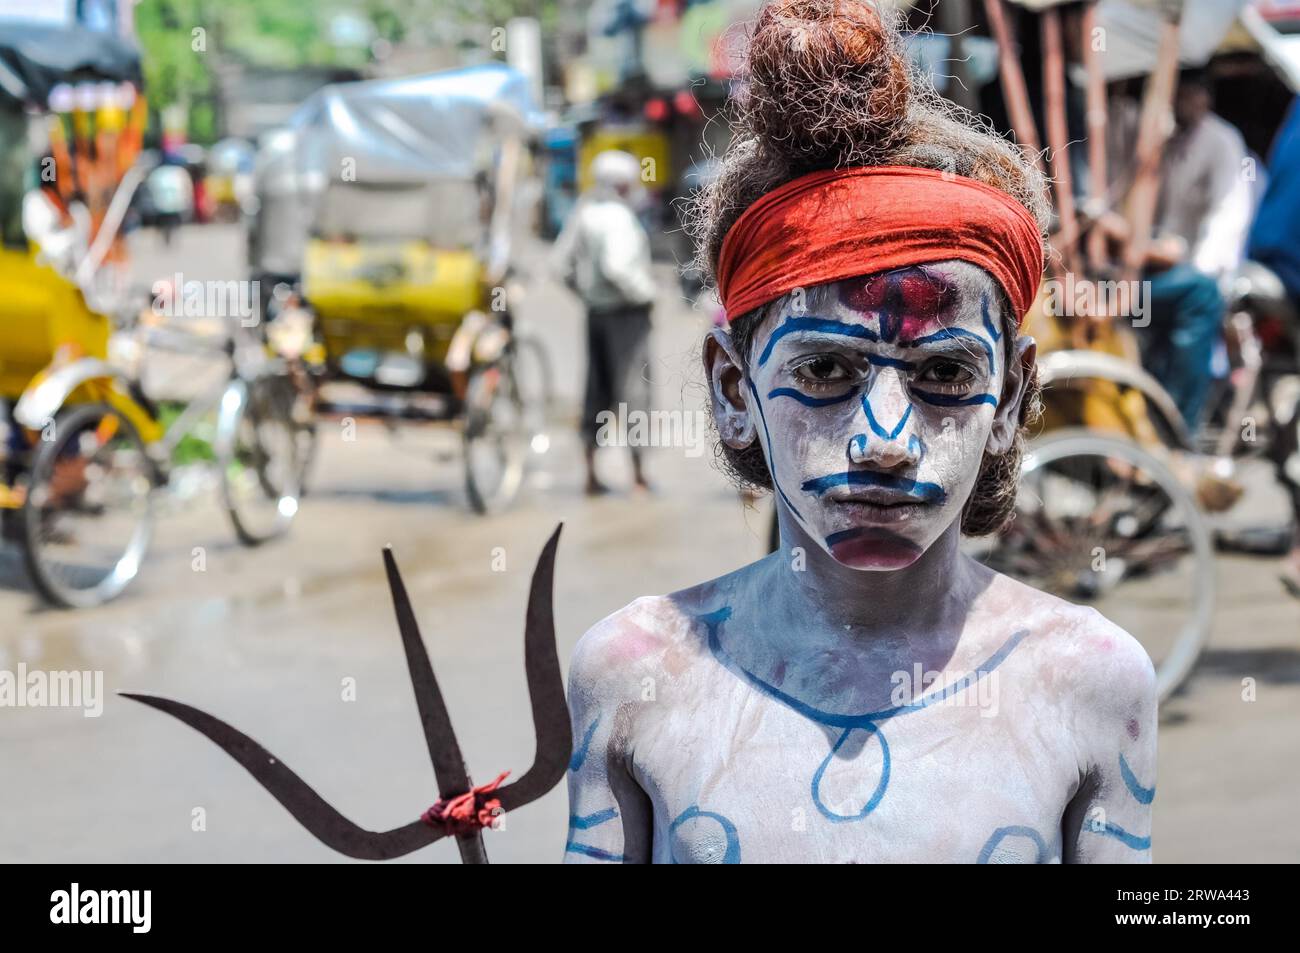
1079, 650
649, 636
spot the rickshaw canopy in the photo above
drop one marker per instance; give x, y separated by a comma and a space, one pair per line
401, 158
35, 57
412, 128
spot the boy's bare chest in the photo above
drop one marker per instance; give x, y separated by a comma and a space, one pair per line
737, 770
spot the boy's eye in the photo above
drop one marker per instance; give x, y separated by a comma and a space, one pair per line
823, 369
946, 372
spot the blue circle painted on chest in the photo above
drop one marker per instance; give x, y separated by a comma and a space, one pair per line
1014, 844
819, 796
707, 837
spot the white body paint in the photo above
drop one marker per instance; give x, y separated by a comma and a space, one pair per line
751, 718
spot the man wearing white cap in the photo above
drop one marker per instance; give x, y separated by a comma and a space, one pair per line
604, 254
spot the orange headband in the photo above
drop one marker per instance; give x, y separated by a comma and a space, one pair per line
843, 223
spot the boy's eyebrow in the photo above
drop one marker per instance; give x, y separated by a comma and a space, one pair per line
816, 325
811, 327
949, 334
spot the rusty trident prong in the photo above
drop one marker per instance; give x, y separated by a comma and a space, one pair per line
550, 725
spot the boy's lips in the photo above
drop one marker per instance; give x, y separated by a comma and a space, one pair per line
869, 512
876, 496
872, 546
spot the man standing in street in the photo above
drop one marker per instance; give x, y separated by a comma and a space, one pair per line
604, 255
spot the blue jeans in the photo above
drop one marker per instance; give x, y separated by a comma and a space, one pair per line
1178, 344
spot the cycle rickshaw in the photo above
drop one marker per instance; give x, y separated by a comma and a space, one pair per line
385, 212
85, 448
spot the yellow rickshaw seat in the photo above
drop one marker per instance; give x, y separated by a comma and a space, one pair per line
41, 312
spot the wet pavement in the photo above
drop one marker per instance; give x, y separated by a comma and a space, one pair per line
274, 639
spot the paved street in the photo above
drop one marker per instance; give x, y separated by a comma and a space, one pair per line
266, 639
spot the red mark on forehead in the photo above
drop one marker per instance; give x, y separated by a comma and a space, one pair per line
908, 300
1133, 729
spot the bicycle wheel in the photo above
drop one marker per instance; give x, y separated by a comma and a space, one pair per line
1101, 520
262, 457
496, 436
87, 518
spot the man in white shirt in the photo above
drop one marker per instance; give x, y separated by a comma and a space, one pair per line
604, 255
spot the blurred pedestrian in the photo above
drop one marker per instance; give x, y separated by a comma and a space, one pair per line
603, 253
172, 192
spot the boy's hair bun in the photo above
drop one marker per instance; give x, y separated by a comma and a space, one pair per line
828, 84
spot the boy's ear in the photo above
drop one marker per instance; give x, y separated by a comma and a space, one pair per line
1006, 421
728, 391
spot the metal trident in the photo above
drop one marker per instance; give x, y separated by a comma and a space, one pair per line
550, 725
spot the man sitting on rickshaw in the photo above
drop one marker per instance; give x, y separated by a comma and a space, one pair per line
1203, 214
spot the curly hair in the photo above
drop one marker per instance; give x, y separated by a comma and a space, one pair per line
828, 85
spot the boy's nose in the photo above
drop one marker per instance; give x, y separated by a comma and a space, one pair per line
887, 442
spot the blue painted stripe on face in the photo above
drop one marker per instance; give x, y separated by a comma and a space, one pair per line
1143, 795
989, 326
580, 755
950, 400
771, 465
809, 401
1124, 837
587, 821
860, 443
732, 853
949, 334
916, 447
880, 431
1015, 830
891, 322
823, 325
842, 535
879, 360
928, 492
589, 851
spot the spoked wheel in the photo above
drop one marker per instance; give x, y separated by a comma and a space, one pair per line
1101, 520
87, 518
497, 436
266, 446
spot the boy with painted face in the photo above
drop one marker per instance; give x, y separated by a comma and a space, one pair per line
867, 693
